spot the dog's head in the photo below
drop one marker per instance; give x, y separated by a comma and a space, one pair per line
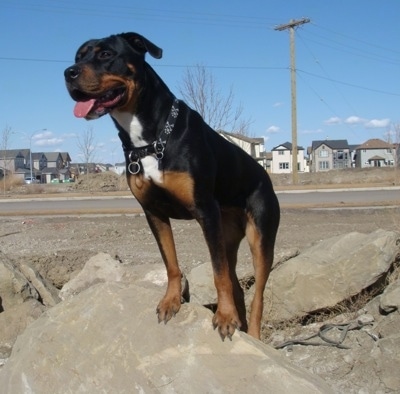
108, 73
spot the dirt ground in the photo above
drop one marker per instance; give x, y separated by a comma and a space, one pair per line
59, 246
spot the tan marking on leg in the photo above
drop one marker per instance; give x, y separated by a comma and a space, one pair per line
262, 265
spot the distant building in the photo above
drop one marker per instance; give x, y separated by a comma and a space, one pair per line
44, 166
330, 154
375, 153
253, 146
282, 159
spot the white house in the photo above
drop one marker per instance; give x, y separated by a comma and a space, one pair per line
282, 159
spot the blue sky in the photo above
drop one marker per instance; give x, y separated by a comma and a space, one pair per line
348, 63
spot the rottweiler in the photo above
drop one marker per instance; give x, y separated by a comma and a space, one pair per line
178, 167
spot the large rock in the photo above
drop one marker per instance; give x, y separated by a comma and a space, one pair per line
14, 321
107, 339
390, 300
14, 286
329, 272
370, 364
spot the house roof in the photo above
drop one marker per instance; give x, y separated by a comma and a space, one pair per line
13, 153
52, 156
253, 140
65, 156
333, 144
37, 156
288, 146
375, 143
376, 157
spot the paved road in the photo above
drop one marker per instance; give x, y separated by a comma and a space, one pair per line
104, 205
360, 197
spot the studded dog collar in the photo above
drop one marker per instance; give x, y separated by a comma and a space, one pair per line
134, 155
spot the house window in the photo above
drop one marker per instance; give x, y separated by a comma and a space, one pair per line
339, 155
283, 166
324, 165
281, 152
323, 153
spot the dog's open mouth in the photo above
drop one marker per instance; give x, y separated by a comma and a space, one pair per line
87, 107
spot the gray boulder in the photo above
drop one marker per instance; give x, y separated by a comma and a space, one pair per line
107, 339
329, 272
14, 321
14, 286
390, 299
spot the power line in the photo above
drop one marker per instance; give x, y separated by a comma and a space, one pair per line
356, 39
326, 73
349, 84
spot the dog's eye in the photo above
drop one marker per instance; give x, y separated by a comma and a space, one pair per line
105, 54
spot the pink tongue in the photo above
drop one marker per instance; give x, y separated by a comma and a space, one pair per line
82, 108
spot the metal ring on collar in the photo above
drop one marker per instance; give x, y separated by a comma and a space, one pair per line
134, 167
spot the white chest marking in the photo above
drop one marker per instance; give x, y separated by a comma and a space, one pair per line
132, 125
150, 169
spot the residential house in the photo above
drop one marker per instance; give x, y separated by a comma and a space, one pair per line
58, 166
13, 159
39, 161
330, 154
282, 159
253, 146
375, 153
45, 166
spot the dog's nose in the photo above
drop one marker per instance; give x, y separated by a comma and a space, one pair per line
72, 73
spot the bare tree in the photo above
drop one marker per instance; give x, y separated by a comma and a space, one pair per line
5, 141
87, 146
200, 91
393, 138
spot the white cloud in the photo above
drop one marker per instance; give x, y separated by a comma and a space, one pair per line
377, 123
43, 135
273, 129
277, 104
69, 135
48, 141
354, 120
333, 120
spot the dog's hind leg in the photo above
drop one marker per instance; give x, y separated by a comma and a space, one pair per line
233, 224
261, 233
171, 302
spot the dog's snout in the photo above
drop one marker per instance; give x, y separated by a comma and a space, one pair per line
72, 73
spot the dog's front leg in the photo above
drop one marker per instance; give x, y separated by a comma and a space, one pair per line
171, 302
226, 318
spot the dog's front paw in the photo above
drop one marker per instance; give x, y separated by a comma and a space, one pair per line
226, 324
168, 308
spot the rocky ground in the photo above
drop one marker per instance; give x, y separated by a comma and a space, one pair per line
59, 246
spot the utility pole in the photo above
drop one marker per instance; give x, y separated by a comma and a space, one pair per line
291, 25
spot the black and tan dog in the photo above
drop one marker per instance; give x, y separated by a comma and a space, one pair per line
178, 167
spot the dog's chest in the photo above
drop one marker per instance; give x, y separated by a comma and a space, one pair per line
131, 124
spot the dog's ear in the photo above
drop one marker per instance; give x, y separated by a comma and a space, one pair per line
142, 45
